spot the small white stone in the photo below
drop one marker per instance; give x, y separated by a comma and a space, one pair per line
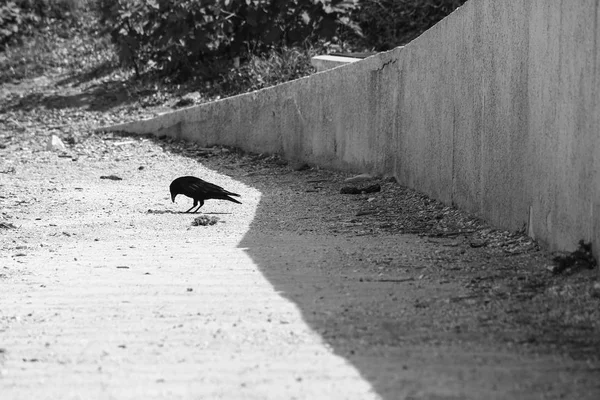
359, 178
54, 143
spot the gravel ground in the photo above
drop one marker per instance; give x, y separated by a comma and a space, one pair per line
397, 294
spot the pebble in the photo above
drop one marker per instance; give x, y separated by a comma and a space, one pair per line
359, 178
54, 143
596, 290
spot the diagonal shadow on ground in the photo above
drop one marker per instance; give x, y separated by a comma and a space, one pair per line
97, 98
413, 316
378, 303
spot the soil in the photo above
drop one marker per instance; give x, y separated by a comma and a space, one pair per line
109, 291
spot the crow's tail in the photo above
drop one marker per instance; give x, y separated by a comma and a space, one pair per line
230, 199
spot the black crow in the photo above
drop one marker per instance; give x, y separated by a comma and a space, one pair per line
199, 190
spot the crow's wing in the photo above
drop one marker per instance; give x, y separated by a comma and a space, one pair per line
203, 189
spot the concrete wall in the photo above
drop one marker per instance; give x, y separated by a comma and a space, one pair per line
496, 109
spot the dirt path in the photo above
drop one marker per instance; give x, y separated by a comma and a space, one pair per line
107, 291
105, 300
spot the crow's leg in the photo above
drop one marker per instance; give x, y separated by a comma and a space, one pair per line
195, 204
201, 204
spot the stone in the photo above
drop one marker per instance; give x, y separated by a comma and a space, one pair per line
359, 178
55, 144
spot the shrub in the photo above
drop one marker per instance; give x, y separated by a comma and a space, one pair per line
177, 37
19, 18
389, 23
259, 71
13, 22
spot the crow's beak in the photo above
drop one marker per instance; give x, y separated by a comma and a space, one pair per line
173, 197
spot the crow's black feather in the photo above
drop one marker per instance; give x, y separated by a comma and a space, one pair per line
199, 190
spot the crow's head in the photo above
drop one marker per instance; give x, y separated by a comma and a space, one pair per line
174, 189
